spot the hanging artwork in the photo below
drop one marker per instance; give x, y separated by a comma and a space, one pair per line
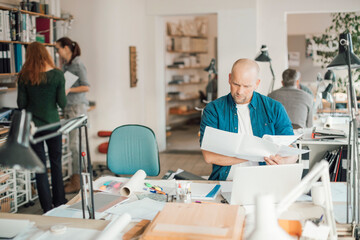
133, 67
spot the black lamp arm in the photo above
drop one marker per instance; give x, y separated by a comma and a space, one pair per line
66, 127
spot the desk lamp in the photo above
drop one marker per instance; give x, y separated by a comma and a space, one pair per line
17, 153
319, 171
263, 56
210, 89
346, 59
327, 94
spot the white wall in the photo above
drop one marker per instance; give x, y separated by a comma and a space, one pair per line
105, 30
308, 23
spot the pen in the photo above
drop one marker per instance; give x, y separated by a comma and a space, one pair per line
153, 186
205, 202
152, 190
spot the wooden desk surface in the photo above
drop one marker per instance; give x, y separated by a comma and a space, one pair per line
45, 222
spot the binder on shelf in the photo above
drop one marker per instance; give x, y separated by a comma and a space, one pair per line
7, 55
43, 27
6, 23
12, 58
337, 164
18, 57
1, 25
13, 26
1, 59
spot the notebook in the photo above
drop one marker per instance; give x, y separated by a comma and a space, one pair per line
278, 180
102, 201
204, 191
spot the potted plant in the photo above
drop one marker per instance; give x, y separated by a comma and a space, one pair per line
324, 47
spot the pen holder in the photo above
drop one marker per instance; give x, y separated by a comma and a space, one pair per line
183, 192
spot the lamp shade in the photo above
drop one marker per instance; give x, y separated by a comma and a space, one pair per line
16, 152
263, 56
330, 75
340, 61
211, 68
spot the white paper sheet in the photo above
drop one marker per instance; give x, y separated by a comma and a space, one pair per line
282, 139
9, 228
141, 209
247, 147
70, 79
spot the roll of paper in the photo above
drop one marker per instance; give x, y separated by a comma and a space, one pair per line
335, 122
134, 184
114, 228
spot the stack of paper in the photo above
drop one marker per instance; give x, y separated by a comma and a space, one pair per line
248, 147
327, 133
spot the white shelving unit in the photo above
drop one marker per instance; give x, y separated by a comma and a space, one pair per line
8, 199
18, 188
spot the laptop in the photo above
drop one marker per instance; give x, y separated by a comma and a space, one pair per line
278, 180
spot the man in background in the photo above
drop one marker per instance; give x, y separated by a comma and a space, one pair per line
297, 102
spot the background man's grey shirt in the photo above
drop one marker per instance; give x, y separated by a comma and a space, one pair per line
77, 68
298, 105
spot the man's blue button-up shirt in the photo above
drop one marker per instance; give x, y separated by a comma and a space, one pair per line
267, 117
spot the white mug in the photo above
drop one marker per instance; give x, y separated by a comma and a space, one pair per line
318, 194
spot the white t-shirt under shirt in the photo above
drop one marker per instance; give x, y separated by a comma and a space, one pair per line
244, 127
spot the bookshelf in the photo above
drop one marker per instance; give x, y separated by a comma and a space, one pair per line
189, 49
26, 43
5, 90
33, 13
20, 28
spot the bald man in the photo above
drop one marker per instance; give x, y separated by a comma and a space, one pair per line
247, 112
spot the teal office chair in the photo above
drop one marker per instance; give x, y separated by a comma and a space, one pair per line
133, 147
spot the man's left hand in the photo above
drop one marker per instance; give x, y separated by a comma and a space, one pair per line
277, 159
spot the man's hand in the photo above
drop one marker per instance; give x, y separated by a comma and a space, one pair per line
277, 159
221, 160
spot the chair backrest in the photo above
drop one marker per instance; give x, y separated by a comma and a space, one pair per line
133, 147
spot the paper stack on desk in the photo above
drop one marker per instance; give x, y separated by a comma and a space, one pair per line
327, 133
248, 147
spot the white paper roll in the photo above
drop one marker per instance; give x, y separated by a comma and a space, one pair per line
114, 228
134, 184
336, 122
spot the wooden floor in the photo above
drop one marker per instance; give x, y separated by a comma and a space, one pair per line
189, 161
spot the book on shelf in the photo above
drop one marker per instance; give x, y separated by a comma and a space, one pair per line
20, 26
18, 48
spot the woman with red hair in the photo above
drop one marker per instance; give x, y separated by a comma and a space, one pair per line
41, 88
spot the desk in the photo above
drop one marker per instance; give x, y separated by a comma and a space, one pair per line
298, 211
45, 222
